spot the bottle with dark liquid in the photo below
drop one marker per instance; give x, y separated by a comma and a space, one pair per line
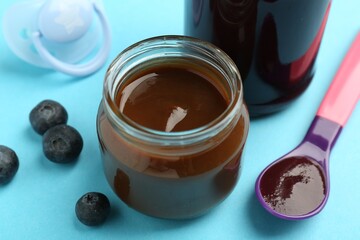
274, 43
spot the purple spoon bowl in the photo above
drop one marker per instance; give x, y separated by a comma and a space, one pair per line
306, 166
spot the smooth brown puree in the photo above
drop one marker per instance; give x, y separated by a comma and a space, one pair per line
161, 97
172, 98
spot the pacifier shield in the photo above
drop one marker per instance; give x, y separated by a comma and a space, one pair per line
67, 34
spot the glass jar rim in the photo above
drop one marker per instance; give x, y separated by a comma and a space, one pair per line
163, 44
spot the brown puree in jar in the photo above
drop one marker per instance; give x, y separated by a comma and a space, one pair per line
172, 97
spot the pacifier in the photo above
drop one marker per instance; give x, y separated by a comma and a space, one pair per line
59, 34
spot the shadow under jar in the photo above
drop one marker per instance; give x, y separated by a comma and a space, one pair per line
172, 126
274, 43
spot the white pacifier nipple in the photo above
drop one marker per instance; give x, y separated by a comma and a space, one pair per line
58, 34
65, 20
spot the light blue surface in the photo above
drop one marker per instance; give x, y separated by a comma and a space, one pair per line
39, 202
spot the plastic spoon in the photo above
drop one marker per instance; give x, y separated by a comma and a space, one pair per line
296, 186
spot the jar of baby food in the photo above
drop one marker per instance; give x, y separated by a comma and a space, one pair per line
172, 126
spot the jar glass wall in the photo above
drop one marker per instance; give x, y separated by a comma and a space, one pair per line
172, 174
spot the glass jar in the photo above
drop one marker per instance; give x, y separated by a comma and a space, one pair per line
179, 174
273, 42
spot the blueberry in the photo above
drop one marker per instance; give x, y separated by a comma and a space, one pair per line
9, 164
92, 208
47, 114
62, 143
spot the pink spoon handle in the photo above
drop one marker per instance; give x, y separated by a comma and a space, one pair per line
344, 91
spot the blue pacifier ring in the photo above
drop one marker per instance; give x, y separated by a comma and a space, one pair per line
79, 70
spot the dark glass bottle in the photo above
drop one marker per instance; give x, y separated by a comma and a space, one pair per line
274, 43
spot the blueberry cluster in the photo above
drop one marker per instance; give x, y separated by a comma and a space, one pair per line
61, 144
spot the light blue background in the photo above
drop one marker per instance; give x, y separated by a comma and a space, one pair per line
39, 202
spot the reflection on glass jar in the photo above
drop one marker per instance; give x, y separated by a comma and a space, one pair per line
273, 42
172, 126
